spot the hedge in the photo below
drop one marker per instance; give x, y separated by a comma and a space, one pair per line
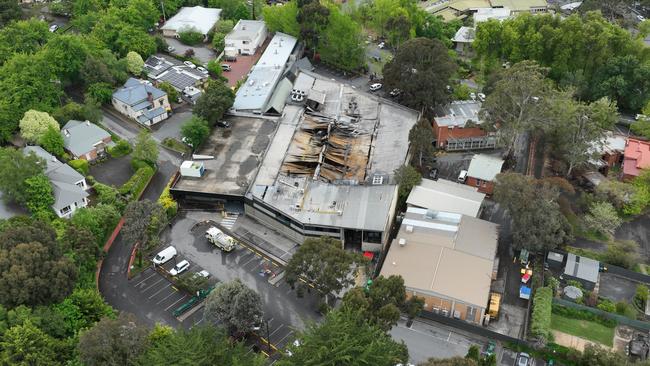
167, 201
540, 325
568, 312
120, 149
137, 183
80, 165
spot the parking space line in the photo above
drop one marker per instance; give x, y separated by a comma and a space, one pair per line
142, 274
199, 322
162, 288
283, 338
276, 329
167, 297
175, 302
254, 257
152, 285
138, 284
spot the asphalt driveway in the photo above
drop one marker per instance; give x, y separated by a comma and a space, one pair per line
113, 172
201, 52
171, 127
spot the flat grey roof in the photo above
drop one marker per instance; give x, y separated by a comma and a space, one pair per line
324, 204
582, 267
246, 29
485, 167
255, 93
238, 151
457, 113
447, 196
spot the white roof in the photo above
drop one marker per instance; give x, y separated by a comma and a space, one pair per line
464, 35
457, 113
485, 14
485, 167
446, 196
203, 19
246, 29
254, 94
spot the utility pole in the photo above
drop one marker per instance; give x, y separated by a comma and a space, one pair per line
162, 6
268, 337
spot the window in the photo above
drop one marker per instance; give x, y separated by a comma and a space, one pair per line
244, 42
65, 210
80, 184
161, 102
372, 237
377, 180
471, 314
478, 182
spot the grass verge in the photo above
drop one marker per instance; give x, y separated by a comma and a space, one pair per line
586, 329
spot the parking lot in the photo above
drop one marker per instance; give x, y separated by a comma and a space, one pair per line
284, 311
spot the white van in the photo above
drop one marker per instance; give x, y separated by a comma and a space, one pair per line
165, 255
462, 176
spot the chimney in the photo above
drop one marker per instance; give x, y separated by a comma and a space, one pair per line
66, 132
87, 123
150, 97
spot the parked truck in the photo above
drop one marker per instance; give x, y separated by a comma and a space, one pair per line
220, 239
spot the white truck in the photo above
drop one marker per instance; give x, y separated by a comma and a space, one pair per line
220, 239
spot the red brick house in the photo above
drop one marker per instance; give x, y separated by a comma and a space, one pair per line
482, 171
635, 158
458, 120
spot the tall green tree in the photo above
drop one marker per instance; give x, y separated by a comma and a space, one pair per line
113, 342
35, 124
9, 11
421, 69
421, 140
52, 141
435, 27
215, 101
39, 195
195, 130
26, 345
537, 223
99, 219
134, 63
577, 130
313, 17
200, 346
234, 305
341, 42
282, 18
519, 102
140, 218
406, 177
345, 338
66, 54
25, 36
22, 167
380, 303
325, 264
145, 149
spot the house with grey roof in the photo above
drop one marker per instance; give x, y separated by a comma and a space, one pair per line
141, 101
245, 38
482, 172
68, 186
85, 140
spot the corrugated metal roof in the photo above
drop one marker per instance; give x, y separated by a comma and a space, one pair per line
485, 167
446, 196
198, 17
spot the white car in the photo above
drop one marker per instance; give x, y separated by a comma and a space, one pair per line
170, 49
640, 18
202, 69
187, 141
523, 359
203, 273
180, 267
189, 64
381, 45
53, 28
472, 96
395, 92
481, 97
375, 86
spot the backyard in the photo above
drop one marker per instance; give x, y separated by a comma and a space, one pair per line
586, 329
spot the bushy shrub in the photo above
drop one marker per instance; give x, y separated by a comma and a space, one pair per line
572, 313
622, 253
80, 165
626, 310
607, 305
137, 183
641, 296
190, 36
120, 149
168, 203
137, 164
541, 318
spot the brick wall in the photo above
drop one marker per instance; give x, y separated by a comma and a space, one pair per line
483, 186
444, 133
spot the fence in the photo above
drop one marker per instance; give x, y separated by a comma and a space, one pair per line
637, 324
474, 329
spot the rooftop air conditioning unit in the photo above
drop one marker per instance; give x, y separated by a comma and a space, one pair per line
402, 242
409, 228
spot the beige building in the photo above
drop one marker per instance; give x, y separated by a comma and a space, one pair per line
447, 258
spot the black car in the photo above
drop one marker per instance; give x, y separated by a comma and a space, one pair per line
223, 124
433, 174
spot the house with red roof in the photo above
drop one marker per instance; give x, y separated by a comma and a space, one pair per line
635, 157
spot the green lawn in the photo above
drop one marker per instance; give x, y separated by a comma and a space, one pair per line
584, 329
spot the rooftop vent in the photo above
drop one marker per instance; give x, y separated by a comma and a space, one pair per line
66, 132
409, 228
402, 242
